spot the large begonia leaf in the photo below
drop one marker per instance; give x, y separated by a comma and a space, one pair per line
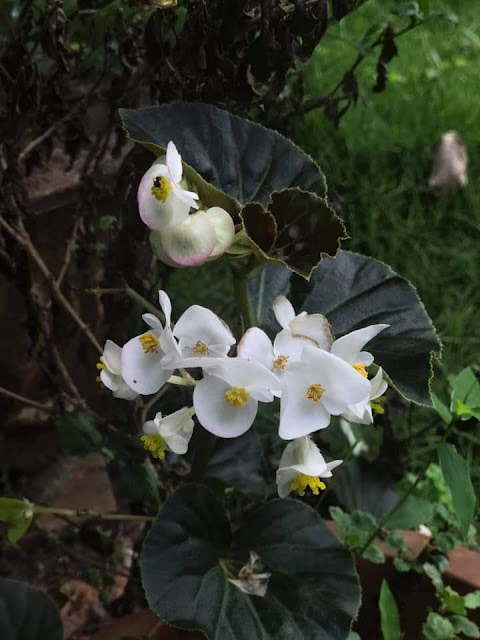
296, 229
354, 291
27, 613
190, 552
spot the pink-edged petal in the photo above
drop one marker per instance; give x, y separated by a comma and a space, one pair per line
174, 162
224, 229
284, 311
201, 324
216, 415
143, 372
112, 355
349, 346
256, 345
314, 326
190, 243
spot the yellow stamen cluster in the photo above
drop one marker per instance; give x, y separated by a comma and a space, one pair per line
150, 342
377, 405
303, 481
101, 364
280, 363
315, 392
201, 349
161, 188
236, 397
360, 368
155, 444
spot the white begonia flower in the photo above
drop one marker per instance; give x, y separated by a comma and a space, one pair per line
362, 412
318, 386
256, 345
142, 356
162, 201
110, 367
349, 347
169, 433
301, 466
226, 400
313, 326
202, 336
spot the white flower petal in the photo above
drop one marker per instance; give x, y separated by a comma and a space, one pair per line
156, 214
109, 379
349, 346
247, 374
188, 244
174, 162
142, 371
124, 392
379, 385
200, 324
176, 429
256, 345
216, 415
153, 322
224, 229
284, 311
284, 479
189, 197
286, 344
314, 326
112, 356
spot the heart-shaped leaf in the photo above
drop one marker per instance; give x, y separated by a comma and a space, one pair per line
297, 229
354, 291
27, 613
190, 554
243, 159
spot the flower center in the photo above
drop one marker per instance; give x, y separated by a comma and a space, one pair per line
303, 481
315, 392
360, 368
101, 364
155, 444
377, 404
280, 363
161, 188
201, 349
149, 342
236, 397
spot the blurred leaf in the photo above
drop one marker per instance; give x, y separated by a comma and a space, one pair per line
353, 636
437, 628
78, 434
452, 602
457, 477
472, 600
242, 159
441, 409
355, 529
296, 229
389, 618
190, 553
413, 512
464, 625
17, 514
27, 613
465, 390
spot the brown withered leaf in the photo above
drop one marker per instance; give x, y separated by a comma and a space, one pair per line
296, 229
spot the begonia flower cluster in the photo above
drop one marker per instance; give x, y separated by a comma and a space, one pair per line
314, 376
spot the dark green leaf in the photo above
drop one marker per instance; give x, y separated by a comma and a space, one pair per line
413, 512
17, 514
389, 617
465, 626
313, 590
296, 229
437, 628
354, 291
272, 281
457, 477
241, 158
27, 613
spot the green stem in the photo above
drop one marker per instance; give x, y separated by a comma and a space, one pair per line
244, 305
90, 513
386, 517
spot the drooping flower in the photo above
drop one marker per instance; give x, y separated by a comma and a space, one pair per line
169, 433
226, 400
286, 349
313, 326
318, 386
142, 356
362, 412
301, 466
201, 335
110, 367
162, 201
201, 236
349, 347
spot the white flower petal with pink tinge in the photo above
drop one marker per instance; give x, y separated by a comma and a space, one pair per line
224, 230
188, 244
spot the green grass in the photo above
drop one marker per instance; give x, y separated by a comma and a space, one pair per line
380, 156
